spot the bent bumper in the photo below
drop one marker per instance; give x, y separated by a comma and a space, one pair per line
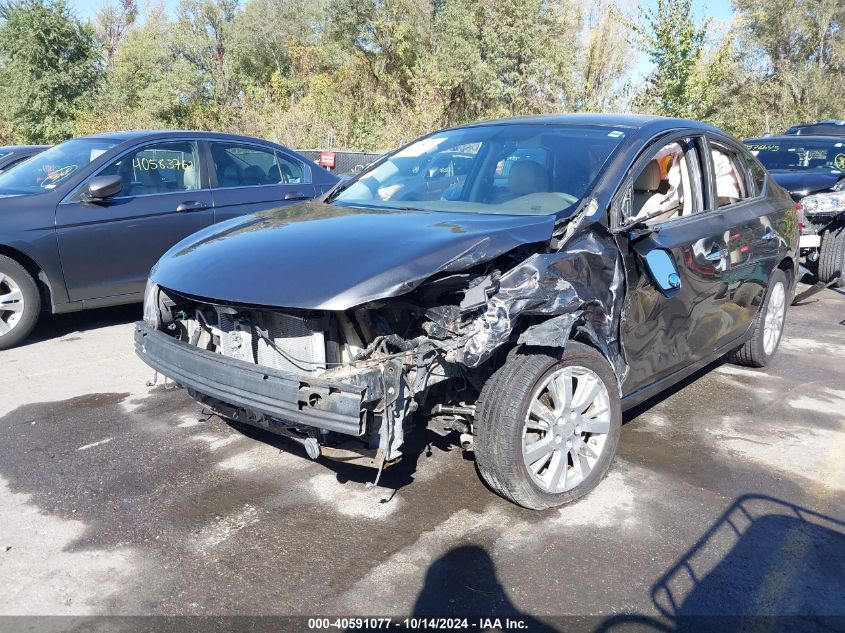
291, 398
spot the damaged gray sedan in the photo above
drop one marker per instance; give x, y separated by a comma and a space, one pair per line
520, 282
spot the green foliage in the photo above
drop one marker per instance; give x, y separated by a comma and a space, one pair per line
49, 69
373, 74
674, 43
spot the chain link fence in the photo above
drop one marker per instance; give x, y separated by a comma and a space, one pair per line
345, 162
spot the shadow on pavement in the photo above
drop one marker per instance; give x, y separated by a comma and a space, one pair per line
59, 325
463, 583
764, 565
784, 570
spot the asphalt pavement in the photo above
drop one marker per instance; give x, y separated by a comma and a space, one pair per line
727, 497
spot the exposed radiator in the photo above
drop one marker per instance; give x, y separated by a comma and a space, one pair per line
296, 347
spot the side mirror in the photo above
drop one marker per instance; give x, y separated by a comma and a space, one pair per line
101, 187
663, 271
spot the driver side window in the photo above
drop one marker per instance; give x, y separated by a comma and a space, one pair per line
157, 168
667, 186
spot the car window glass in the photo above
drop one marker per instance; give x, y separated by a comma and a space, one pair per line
526, 169
665, 188
244, 165
730, 178
800, 154
54, 166
758, 174
291, 170
157, 168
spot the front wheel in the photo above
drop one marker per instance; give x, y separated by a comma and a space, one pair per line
20, 303
547, 427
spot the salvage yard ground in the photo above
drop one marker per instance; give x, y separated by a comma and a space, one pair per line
727, 496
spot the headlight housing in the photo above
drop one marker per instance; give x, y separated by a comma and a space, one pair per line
829, 204
152, 316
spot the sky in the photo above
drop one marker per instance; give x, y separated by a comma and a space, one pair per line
719, 9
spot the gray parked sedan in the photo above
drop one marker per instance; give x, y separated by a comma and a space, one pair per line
84, 221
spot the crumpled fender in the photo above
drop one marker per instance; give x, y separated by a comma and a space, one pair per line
580, 287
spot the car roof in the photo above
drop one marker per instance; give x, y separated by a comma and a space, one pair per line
795, 138
630, 121
18, 148
131, 135
830, 123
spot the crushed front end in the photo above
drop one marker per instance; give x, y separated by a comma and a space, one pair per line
347, 383
342, 383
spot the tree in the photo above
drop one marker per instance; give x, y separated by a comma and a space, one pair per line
268, 35
113, 24
794, 50
674, 43
607, 58
147, 86
203, 36
49, 68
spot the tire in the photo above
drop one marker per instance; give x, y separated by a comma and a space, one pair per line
502, 431
832, 257
759, 350
22, 302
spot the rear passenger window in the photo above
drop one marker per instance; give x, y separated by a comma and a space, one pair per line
758, 174
157, 168
242, 165
292, 170
731, 183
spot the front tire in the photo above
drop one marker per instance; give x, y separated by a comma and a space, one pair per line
832, 257
547, 428
20, 303
767, 329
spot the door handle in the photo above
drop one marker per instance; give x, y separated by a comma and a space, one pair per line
769, 235
191, 205
715, 254
294, 195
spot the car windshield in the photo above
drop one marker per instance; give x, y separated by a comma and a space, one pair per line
800, 154
47, 170
513, 169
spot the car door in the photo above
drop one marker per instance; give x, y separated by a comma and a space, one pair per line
248, 177
107, 248
671, 322
753, 235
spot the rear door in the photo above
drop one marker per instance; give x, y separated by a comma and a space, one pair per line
107, 248
754, 233
668, 196
249, 177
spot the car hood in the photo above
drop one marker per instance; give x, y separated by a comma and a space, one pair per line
799, 182
321, 256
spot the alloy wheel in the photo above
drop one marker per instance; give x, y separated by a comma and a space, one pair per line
11, 304
566, 428
773, 320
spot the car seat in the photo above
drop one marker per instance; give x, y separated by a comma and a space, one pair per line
649, 190
231, 176
527, 177
274, 176
253, 175
190, 178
